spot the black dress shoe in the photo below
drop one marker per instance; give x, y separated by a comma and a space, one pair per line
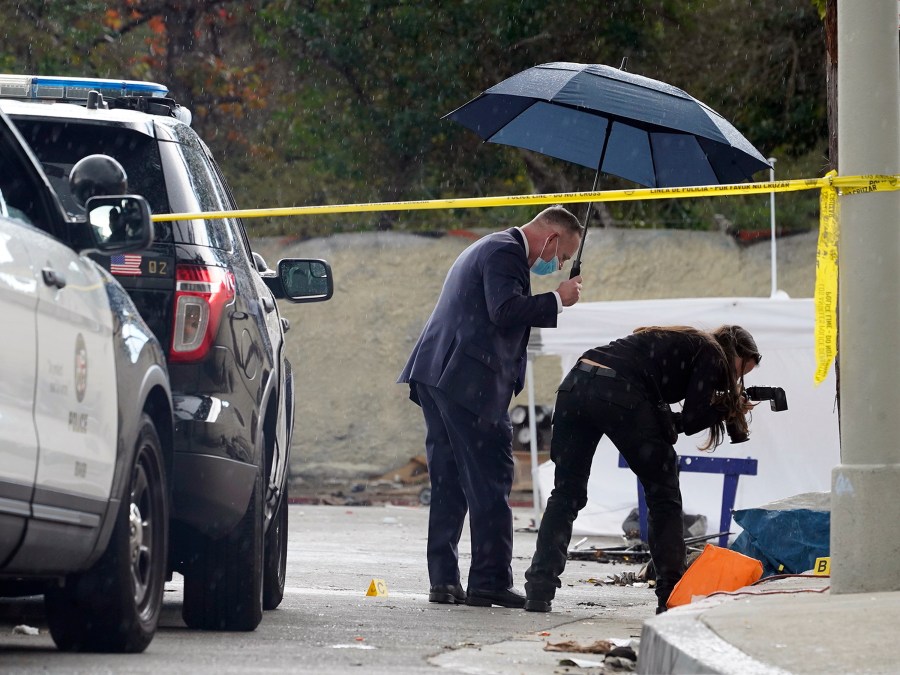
509, 597
535, 605
447, 594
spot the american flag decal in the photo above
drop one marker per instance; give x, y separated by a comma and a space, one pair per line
125, 264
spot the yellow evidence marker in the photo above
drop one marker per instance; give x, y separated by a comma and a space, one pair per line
377, 587
822, 568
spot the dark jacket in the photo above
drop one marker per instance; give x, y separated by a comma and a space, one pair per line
671, 366
473, 346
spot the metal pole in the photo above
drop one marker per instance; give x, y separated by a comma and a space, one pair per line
532, 429
865, 509
772, 221
576, 264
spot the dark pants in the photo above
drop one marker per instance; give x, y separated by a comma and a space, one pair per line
471, 468
591, 407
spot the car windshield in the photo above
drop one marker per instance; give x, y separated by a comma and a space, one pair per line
59, 145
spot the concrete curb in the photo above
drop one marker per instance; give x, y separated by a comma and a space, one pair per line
678, 641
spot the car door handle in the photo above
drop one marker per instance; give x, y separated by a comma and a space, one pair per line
268, 304
53, 278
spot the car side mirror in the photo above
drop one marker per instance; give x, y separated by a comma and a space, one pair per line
302, 280
119, 223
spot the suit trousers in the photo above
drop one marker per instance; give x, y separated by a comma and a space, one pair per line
591, 407
471, 468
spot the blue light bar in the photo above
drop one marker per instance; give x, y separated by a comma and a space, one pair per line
39, 87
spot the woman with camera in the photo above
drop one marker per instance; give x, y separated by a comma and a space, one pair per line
623, 390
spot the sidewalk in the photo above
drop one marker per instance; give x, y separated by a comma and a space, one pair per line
791, 625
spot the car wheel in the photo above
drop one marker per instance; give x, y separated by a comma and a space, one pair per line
276, 555
223, 579
115, 606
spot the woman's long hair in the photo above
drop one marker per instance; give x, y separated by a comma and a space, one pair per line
728, 342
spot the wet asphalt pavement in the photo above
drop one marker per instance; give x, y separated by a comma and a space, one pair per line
327, 623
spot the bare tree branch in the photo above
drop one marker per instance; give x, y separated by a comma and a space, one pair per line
124, 30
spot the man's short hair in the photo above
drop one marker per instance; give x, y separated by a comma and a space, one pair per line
561, 217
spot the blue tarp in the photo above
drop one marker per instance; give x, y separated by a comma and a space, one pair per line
788, 535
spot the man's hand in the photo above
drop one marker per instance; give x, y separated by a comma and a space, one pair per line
569, 291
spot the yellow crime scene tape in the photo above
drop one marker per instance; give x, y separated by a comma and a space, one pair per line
825, 296
847, 184
826, 288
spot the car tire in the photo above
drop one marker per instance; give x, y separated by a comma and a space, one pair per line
223, 580
115, 606
276, 555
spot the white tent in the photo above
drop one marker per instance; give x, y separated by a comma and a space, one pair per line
796, 449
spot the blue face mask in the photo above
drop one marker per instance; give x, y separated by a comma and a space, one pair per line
543, 267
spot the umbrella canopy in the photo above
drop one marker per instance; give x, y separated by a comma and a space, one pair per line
614, 122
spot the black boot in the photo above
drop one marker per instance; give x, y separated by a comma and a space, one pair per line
535, 605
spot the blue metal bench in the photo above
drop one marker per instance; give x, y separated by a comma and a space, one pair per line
731, 467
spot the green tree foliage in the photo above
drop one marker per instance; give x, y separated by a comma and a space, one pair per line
327, 101
769, 72
373, 79
49, 36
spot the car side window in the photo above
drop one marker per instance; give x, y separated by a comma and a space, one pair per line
209, 193
59, 145
20, 195
241, 233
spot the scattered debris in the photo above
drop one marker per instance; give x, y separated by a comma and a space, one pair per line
619, 654
414, 471
648, 573
692, 525
340, 499
22, 629
619, 663
636, 553
624, 579
623, 651
580, 663
618, 658
596, 647
356, 646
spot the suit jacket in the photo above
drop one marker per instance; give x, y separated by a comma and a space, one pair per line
473, 346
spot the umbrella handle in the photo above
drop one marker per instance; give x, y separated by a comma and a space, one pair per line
576, 263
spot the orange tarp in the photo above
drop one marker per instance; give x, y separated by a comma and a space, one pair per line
716, 569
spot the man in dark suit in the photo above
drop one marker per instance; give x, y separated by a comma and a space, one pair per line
467, 363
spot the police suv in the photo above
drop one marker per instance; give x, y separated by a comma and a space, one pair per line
210, 300
85, 412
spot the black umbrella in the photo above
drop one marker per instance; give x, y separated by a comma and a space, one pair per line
614, 122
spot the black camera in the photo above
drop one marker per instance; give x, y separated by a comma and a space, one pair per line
735, 434
777, 401
775, 395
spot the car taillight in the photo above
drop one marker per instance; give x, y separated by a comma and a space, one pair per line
201, 294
